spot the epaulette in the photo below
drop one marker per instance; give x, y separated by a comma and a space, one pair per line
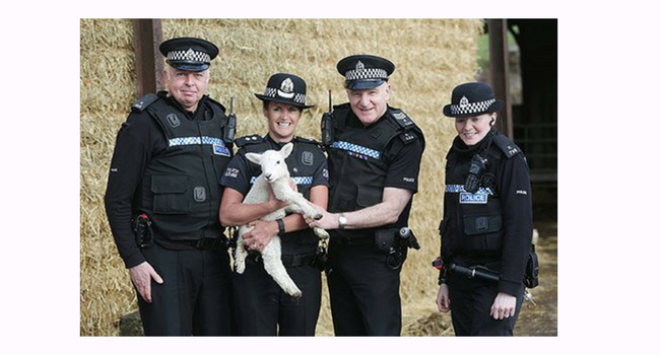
144, 102
409, 127
248, 140
308, 141
402, 119
506, 145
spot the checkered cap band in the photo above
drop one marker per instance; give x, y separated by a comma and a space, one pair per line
472, 107
363, 74
189, 55
299, 98
272, 92
356, 149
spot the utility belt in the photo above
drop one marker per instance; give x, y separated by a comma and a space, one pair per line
144, 236
384, 239
394, 242
352, 241
287, 259
220, 243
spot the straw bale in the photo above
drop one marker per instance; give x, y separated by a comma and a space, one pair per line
431, 57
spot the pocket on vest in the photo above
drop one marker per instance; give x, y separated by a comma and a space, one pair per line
171, 194
483, 232
369, 196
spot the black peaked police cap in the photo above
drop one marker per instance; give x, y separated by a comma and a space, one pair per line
365, 72
188, 53
286, 89
472, 99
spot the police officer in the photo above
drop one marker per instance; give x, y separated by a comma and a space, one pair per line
374, 159
487, 222
262, 307
165, 176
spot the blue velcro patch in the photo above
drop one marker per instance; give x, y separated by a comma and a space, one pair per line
220, 149
478, 198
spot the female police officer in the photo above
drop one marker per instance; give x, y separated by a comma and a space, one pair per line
487, 223
262, 307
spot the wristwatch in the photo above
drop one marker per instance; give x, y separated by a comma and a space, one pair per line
342, 221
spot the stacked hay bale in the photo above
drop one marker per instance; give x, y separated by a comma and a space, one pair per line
431, 57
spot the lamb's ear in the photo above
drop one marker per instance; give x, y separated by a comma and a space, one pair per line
286, 150
254, 157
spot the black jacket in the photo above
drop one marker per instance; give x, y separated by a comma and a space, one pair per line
492, 226
167, 163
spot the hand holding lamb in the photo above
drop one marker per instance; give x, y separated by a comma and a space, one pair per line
276, 174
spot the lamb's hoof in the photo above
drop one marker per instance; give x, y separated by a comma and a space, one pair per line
296, 294
240, 268
318, 216
321, 233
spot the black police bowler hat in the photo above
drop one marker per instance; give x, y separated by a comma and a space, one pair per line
286, 89
472, 99
190, 54
365, 72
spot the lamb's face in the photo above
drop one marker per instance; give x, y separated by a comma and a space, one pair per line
273, 165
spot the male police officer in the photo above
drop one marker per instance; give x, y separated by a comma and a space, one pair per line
374, 160
163, 198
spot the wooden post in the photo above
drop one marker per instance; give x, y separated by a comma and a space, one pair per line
499, 69
147, 36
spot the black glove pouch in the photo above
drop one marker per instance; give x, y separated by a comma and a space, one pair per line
532, 269
385, 239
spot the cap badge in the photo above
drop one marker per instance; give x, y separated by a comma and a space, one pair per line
359, 66
464, 102
190, 54
286, 89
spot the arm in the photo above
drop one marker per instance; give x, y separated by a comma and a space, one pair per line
264, 231
386, 212
233, 212
130, 159
133, 151
516, 199
400, 185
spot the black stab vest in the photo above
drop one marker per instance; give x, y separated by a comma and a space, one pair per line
357, 159
472, 225
181, 190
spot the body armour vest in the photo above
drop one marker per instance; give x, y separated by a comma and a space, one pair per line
472, 225
357, 159
181, 190
303, 162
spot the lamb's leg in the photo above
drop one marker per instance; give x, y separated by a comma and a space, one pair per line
321, 233
299, 204
272, 256
241, 251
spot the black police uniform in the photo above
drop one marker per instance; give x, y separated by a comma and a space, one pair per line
262, 307
491, 227
364, 287
167, 164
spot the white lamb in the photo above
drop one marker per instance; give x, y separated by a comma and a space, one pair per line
275, 172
